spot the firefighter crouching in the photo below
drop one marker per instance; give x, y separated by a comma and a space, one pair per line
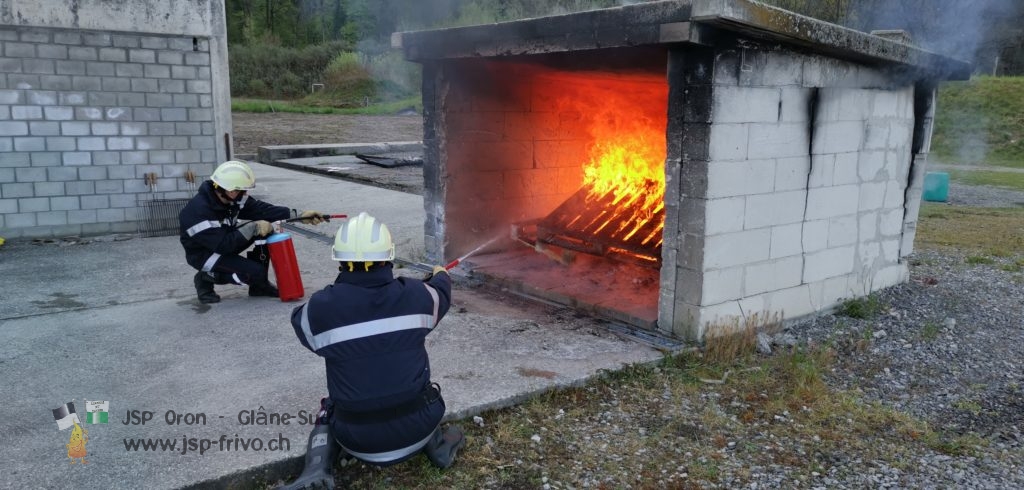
370, 328
213, 236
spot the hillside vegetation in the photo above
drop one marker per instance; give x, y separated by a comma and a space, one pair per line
981, 121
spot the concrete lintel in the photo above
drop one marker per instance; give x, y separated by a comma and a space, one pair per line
270, 154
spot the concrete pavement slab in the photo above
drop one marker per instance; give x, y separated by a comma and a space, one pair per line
118, 321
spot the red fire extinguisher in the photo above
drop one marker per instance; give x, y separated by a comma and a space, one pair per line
286, 268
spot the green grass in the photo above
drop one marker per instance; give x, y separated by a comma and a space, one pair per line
861, 308
1006, 180
991, 231
981, 121
314, 106
979, 260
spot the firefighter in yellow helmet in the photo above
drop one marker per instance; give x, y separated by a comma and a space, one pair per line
370, 328
221, 221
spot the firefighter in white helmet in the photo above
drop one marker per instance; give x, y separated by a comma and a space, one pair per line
213, 236
370, 328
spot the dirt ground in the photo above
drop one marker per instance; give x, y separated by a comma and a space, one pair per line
252, 130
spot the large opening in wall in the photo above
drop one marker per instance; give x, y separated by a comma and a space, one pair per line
563, 157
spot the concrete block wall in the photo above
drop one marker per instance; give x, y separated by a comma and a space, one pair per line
86, 112
808, 163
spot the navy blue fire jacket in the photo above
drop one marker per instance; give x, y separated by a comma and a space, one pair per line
370, 328
209, 228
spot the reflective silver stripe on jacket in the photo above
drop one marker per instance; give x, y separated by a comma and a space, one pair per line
361, 330
201, 226
260, 242
389, 456
210, 262
437, 302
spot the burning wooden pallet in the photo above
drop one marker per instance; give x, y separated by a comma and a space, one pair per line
610, 225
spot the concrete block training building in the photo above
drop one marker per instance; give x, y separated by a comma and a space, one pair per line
785, 157
107, 107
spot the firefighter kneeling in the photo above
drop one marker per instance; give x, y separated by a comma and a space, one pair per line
370, 328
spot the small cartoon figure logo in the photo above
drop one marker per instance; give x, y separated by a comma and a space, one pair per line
76, 446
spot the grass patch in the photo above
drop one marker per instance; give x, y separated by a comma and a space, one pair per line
930, 331
1016, 266
1005, 180
992, 231
979, 260
981, 121
315, 106
862, 308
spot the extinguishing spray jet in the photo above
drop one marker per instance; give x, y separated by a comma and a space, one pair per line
451, 265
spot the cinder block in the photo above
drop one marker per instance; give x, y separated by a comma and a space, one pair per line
100, 99
188, 129
63, 203
773, 209
175, 142
125, 41
87, 84
153, 42
13, 128
163, 129
8, 206
121, 143
198, 86
128, 70
771, 68
828, 263
106, 158
890, 223
745, 105
6, 144
894, 193
173, 114
30, 174
79, 188
197, 58
52, 51
26, 112
95, 202
74, 128
186, 156
791, 173
719, 285
30, 144
795, 104
41, 97
110, 215
171, 86
20, 220
45, 159
58, 113
72, 98
118, 113
159, 100
730, 179
724, 215
38, 66
121, 172
52, 218
203, 73
70, 67
814, 235
113, 54
201, 142
845, 171
870, 164
92, 144
828, 202
867, 225
837, 137
20, 189
777, 140
67, 37
200, 115
81, 216
786, 240
773, 275
183, 72
872, 196
149, 143
129, 99
14, 159
122, 201
842, 231
146, 114
33, 205
822, 170
104, 128
170, 57
99, 69
88, 113
156, 71
141, 56
867, 259
843, 104
61, 174
19, 50
733, 249
186, 100
77, 158
44, 128
96, 39
114, 84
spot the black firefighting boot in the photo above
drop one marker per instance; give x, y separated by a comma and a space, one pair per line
263, 288
204, 288
321, 451
443, 446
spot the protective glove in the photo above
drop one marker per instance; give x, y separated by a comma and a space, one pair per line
259, 228
437, 268
313, 217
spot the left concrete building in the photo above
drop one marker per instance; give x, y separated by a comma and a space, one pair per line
107, 108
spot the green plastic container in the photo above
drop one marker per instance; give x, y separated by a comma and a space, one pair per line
936, 187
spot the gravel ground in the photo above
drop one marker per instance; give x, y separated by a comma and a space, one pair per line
950, 351
983, 196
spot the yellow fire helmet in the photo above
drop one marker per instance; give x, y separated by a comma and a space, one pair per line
363, 239
234, 175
